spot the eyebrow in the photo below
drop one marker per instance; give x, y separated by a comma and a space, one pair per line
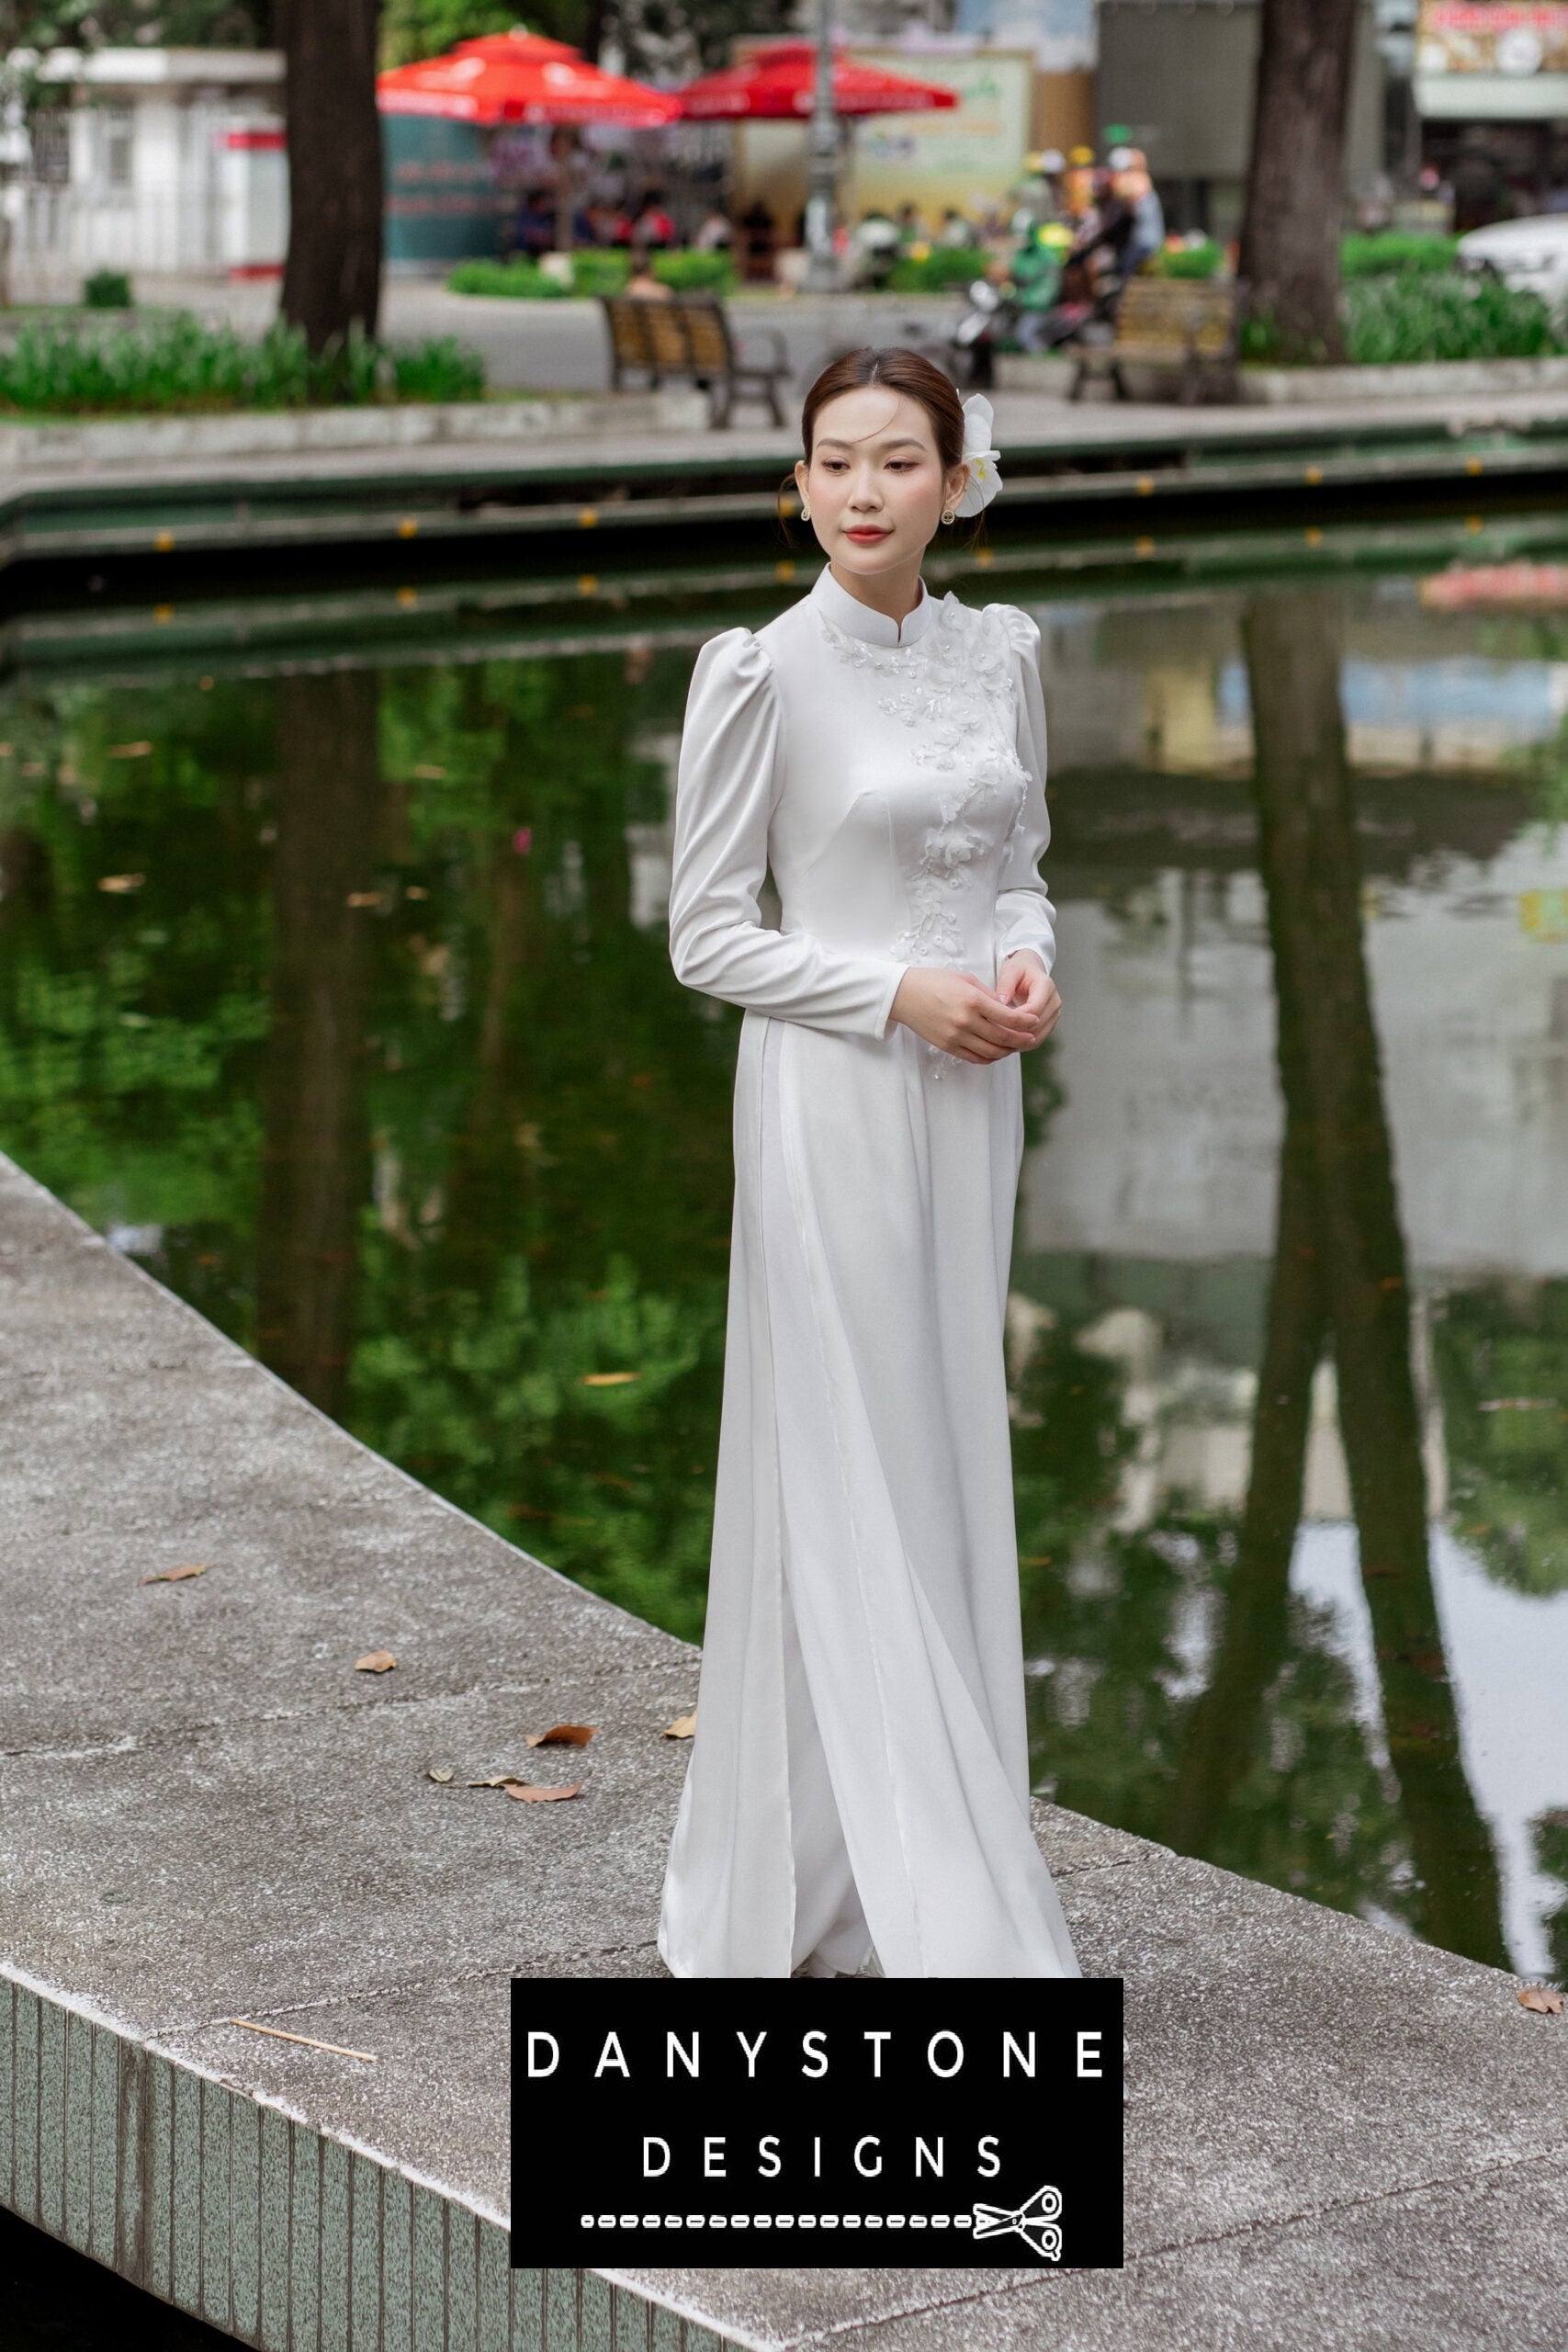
894, 441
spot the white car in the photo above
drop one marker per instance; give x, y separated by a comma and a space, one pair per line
1531, 254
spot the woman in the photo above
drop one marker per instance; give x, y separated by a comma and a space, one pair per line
858, 1792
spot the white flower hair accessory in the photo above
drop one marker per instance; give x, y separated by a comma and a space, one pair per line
980, 457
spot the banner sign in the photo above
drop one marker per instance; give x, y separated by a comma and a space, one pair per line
810, 2124
1491, 37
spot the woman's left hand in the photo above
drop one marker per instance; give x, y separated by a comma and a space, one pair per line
1024, 983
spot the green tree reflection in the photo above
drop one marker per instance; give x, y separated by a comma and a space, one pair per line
1502, 1362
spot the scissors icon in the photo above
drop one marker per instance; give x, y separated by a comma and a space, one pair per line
1034, 2221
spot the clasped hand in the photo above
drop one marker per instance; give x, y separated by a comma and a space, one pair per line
976, 1023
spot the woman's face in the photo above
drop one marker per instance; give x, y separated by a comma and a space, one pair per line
874, 482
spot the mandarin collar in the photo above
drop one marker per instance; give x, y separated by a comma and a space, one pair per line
863, 621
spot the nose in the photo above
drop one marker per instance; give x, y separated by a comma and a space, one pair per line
866, 491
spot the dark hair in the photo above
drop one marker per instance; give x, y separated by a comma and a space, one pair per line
902, 371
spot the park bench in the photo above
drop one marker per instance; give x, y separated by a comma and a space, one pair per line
689, 337
1185, 323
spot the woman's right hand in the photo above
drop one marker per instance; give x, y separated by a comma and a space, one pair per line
960, 1013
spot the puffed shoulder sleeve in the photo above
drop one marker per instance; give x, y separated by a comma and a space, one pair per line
725, 786
1025, 917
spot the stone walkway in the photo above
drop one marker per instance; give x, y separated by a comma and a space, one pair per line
1335, 2137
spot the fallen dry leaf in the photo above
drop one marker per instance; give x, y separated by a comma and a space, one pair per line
681, 1728
562, 1735
121, 883
426, 769
608, 1379
1542, 1999
375, 1662
531, 1794
277, 2034
363, 899
441, 1773
127, 751
174, 1576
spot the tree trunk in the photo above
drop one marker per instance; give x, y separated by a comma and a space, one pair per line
1222, 1731
315, 1153
332, 275
1333, 1085
1289, 238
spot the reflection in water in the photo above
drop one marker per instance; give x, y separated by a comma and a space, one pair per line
458, 1161
315, 1156
1338, 1212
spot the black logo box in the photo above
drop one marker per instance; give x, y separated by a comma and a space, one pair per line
970, 2122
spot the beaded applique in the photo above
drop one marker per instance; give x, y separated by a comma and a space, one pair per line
955, 690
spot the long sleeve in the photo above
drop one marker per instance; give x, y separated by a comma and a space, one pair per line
725, 789
1025, 917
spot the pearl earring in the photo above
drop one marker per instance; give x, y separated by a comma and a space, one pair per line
948, 518
805, 512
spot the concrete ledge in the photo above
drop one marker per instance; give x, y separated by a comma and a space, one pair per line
1021, 371
1459, 379
1336, 2137
455, 424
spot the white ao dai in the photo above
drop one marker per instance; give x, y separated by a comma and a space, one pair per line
858, 1789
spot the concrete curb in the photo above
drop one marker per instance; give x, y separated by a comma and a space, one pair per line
1021, 371
468, 425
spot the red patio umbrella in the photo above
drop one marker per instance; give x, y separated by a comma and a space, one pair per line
522, 77
780, 81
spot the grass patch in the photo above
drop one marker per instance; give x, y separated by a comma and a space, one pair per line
177, 365
1391, 322
594, 270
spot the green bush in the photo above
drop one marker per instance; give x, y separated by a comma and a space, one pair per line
1389, 252
600, 269
523, 280
1186, 261
107, 290
694, 273
944, 265
179, 365
595, 269
1393, 320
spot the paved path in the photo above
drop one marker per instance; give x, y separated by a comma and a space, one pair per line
1336, 2138
561, 346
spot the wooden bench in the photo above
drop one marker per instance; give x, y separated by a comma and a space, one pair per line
1189, 323
690, 337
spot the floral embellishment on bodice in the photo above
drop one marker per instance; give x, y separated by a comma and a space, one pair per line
955, 689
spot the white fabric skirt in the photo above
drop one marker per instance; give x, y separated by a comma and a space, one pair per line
858, 1788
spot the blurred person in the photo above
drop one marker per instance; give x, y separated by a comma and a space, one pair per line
910, 231
642, 282
1132, 185
653, 228
956, 232
759, 241
876, 244
533, 226
715, 236
1078, 182
1480, 193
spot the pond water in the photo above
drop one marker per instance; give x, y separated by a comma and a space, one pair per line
334, 988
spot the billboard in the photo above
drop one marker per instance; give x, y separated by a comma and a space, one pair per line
1492, 60
968, 156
